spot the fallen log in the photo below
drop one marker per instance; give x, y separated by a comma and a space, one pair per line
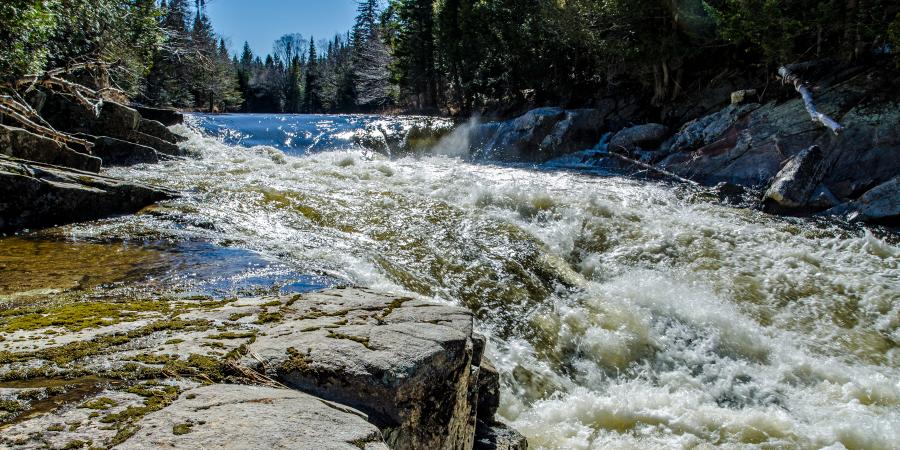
652, 168
788, 76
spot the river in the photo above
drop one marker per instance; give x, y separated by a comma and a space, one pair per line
621, 313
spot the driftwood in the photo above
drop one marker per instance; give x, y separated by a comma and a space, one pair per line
788, 76
652, 168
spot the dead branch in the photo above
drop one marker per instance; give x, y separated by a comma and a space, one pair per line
788, 76
253, 376
651, 168
14, 111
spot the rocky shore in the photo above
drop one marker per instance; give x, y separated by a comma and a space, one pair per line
344, 368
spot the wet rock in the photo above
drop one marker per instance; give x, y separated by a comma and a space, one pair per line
405, 363
115, 120
36, 195
730, 193
580, 129
166, 116
498, 436
880, 205
488, 390
226, 416
796, 181
116, 152
408, 135
159, 131
520, 139
822, 199
23, 144
155, 143
647, 136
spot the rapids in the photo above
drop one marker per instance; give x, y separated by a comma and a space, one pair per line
621, 313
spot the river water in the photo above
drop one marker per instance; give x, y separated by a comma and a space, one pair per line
621, 313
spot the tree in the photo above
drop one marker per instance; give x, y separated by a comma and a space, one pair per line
414, 50
371, 78
312, 100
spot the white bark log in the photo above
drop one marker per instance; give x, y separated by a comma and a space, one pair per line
789, 77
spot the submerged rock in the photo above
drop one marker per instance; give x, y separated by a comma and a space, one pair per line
498, 436
232, 416
36, 195
23, 144
159, 131
520, 139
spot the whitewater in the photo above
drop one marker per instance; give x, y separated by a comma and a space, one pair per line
621, 313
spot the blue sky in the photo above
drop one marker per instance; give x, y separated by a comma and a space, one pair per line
261, 22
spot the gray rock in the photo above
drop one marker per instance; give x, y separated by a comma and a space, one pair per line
159, 131
35, 195
879, 205
498, 436
707, 129
647, 136
161, 146
822, 199
795, 183
411, 135
116, 152
520, 139
23, 144
580, 129
405, 363
115, 120
166, 116
239, 417
488, 390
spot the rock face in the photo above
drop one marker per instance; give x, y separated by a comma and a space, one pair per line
407, 364
647, 136
879, 205
547, 133
796, 182
34, 195
410, 135
749, 144
374, 369
116, 152
159, 131
23, 144
232, 416
165, 116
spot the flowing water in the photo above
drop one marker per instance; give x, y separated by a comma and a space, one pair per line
621, 313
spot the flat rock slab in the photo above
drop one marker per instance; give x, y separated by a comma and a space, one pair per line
406, 363
35, 195
234, 416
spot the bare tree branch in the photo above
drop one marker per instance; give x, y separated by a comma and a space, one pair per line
788, 76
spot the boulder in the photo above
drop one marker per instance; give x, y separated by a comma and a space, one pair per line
498, 436
37, 195
647, 136
406, 363
23, 144
488, 390
580, 129
166, 116
520, 139
410, 135
115, 119
116, 152
880, 205
234, 416
795, 183
822, 199
159, 131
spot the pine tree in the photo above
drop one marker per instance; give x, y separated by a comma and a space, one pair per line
312, 102
370, 81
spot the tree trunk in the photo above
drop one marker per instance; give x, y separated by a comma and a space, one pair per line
789, 77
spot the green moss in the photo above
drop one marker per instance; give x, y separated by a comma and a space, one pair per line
182, 428
11, 406
56, 427
395, 303
174, 341
232, 335
361, 340
269, 317
76, 444
155, 399
100, 403
238, 316
272, 303
77, 316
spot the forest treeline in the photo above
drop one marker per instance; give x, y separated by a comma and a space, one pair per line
451, 56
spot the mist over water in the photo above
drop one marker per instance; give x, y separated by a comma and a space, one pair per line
621, 313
